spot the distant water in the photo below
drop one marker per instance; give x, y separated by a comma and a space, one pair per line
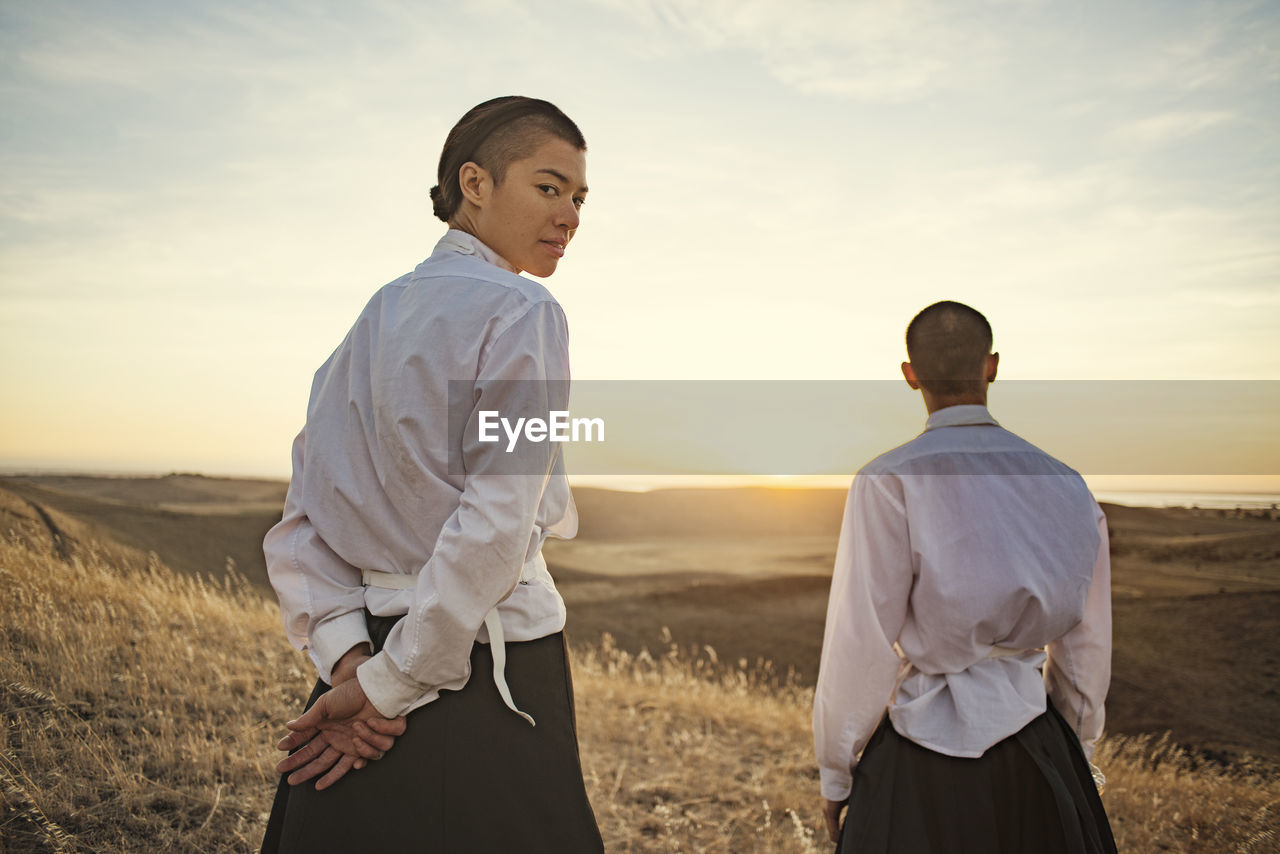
1211, 500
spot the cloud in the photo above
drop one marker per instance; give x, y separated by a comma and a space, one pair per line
1164, 128
881, 52
1231, 46
162, 50
130, 54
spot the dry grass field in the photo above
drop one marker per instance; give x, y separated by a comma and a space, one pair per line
139, 705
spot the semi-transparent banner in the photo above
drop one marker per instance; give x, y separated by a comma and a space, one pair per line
787, 427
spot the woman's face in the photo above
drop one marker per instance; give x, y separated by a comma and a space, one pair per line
531, 216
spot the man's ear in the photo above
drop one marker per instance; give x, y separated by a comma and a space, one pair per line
909, 374
476, 183
993, 363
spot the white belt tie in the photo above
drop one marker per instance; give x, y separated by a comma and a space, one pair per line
1007, 652
492, 622
499, 649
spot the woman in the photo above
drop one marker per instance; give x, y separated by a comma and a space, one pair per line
971, 594
408, 560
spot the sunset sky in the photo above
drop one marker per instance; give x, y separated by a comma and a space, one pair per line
198, 198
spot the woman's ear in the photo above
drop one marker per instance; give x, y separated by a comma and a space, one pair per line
475, 182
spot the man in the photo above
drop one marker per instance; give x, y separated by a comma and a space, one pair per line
408, 561
971, 597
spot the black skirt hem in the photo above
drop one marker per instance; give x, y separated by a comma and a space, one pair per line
1030, 792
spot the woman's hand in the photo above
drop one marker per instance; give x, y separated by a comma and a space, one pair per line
346, 667
341, 731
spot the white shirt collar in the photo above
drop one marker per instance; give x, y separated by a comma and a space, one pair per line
456, 240
959, 416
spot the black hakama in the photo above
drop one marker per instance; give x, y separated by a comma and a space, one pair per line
1031, 792
468, 775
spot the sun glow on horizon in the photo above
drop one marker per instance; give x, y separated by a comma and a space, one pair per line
200, 198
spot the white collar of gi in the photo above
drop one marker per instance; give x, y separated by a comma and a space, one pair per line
456, 240
959, 416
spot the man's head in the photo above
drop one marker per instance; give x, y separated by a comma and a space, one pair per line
530, 219
949, 348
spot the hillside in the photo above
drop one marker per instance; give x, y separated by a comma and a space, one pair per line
746, 571
140, 705
194, 524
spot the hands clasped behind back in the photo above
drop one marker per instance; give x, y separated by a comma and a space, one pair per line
340, 732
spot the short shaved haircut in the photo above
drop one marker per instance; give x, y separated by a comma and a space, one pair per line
494, 135
947, 344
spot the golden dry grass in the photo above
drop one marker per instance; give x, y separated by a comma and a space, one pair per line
138, 708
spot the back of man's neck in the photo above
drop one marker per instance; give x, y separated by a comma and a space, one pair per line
933, 404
